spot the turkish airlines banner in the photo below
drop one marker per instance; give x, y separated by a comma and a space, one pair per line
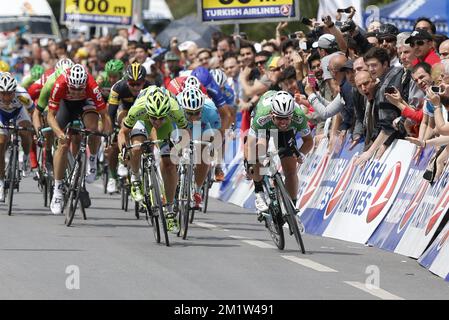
426, 218
338, 173
370, 195
412, 191
436, 258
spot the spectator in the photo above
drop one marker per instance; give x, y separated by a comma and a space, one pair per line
425, 24
387, 39
204, 55
444, 50
142, 57
421, 41
261, 60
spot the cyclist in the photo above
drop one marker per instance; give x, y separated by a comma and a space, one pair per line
113, 72
204, 121
123, 94
14, 106
43, 89
75, 94
154, 108
277, 111
215, 93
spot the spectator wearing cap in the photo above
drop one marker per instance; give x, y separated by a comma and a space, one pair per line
387, 37
327, 48
171, 67
189, 51
422, 43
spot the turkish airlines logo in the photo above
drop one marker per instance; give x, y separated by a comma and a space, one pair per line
339, 190
285, 10
439, 209
385, 192
313, 185
414, 203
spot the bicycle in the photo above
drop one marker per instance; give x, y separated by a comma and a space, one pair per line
44, 175
280, 206
75, 184
207, 185
153, 201
13, 173
184, 190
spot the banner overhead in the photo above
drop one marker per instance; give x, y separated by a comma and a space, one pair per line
247, 11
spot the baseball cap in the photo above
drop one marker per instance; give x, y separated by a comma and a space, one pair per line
273, 62
419, 34
347, 66
326, 41
186, 45
171, 56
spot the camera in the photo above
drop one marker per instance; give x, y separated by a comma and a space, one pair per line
347, 10
348, 26
306, 21
436, 89
390, 90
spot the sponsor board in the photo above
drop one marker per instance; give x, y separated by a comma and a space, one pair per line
426, 218
410, 195
370, 195
318, 213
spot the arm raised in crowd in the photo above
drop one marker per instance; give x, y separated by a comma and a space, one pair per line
441, 125
327, 110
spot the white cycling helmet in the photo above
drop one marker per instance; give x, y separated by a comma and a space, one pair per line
191, 99
192, 81
282, 104
64, 63
219, 76
7, 82
77, 77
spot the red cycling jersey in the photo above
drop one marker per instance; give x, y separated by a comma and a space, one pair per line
35, 89
61, 91
177, 85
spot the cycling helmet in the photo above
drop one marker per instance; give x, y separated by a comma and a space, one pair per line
191, 99
37, 71
158, 103
7, 82
135, 72
77, 77
64, 63
114, 66
203, 75
219, 76
192, 81
4, 67
282, 104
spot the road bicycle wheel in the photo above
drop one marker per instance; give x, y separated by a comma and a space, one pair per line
206, 186
73, 193
12, 173
184, 200
274, 221
289, 212
50, 188
105, 175
156, 204
151, 217
122, 194
45, 191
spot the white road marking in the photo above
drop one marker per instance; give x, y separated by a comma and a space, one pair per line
309, 264
259, 244
377, 292
206, 225
237, 237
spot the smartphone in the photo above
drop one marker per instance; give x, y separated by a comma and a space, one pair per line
436, 89
390, 90
292, 36
306, 21
303, 46
312, 80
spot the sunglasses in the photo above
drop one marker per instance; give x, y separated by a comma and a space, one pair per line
192, 114
389, 39
261, 62
76, 89
135, 83
417, 43
157, 119
278, 118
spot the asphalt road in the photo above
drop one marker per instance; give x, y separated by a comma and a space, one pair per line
228, 255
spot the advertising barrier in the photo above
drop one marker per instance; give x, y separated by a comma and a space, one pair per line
338, 173
370, 195
412, 191
436, 258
